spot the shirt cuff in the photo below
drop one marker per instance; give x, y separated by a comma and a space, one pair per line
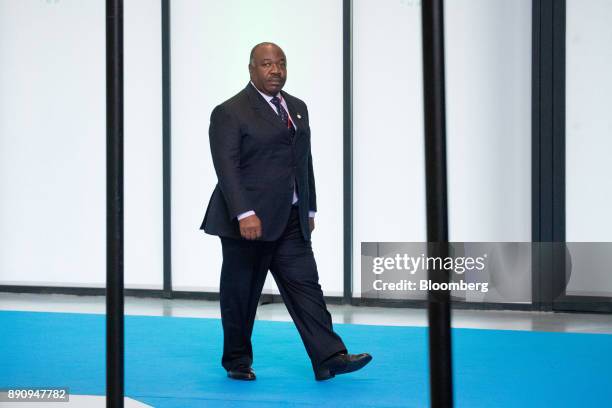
245, 214
311, 214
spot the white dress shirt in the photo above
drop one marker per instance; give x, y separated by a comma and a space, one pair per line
268, 98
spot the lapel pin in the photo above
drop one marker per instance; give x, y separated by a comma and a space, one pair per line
299, 116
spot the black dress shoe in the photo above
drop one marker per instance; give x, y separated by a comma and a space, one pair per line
241, 372
341, 364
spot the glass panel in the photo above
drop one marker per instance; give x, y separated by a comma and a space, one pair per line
388, 145
206, 72
588, 143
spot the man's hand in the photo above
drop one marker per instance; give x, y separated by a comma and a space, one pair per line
311, 223
250, 227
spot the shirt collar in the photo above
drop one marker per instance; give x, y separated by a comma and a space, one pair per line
268, 98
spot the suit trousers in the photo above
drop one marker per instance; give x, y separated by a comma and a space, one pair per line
291, 261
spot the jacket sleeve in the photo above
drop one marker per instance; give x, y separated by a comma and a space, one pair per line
225, 140
312, 192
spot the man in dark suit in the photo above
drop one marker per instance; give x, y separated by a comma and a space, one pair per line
263, 209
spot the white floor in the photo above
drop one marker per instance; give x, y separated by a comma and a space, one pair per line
504, 320
74, 401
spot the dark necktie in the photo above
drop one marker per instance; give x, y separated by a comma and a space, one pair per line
283, 114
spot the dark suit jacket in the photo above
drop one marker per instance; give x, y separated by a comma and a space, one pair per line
257, 160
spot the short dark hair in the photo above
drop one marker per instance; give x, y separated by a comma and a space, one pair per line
252, 55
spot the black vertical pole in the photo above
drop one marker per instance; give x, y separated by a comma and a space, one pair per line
114, 204
347, 123
441, 386
548, 147
167, 152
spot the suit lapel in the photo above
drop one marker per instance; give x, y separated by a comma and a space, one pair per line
295, 115
263, 108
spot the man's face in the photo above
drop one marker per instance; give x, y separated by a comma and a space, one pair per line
269, 69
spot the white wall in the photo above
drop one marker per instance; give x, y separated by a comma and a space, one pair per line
53, 143
211, 42
588, 144
52, 137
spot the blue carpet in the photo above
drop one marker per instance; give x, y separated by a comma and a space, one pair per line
175, 362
